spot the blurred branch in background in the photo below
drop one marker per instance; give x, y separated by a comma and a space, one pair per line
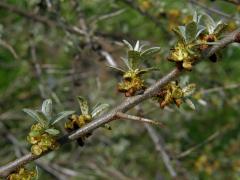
235, 2
158, 142
209, 139
213, 10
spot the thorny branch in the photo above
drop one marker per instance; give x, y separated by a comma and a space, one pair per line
139, 119
236, 2
213, 10
126, 105
158, 145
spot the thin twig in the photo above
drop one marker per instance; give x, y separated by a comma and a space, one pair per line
41, 19
217, 89
138, 119
209, 139
235, 2
159, 147
218, 12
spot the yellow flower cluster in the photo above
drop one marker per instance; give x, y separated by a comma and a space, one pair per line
182, 56
41, 141
171, 93
75, 122
205, 165
22, 174
132, 83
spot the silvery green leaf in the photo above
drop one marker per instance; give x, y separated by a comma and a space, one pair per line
209, 23
37, 174
35, 115
150, 52
52, 131
189, 89
142, 46
143, 71
196, 17
117, 68
47, 108
180, 32
128, 44
99, 109
184, 80
126, 62
61, 116
202, 102
83, 105
191, 31
136, 47
190, 104
133, 59
220, 28
200, 29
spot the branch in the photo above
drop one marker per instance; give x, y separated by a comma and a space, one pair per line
41, 19
143, 13
159, 147
217, 89
218, 12
126, 105
235, 2
209, 139
138, 119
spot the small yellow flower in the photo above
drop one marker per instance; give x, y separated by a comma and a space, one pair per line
36, 150
171, 93
22, 174
132, 83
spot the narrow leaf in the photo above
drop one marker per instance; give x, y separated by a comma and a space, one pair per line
61, 116
47, 108
143, 71
128, 44
99, 109
37, 174
35, 116
136, 48
150, 52
209, 23
189, 89
83, 105
191, 31
180, 32
133, 59
52, 131
190, 104
200, 29
221, 27
125, 60
117, 68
